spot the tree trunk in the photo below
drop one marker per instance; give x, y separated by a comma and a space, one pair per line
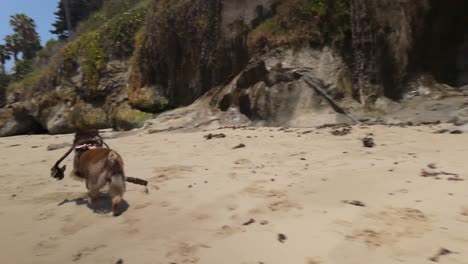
68, 16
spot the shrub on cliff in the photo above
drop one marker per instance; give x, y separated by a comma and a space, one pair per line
301, 22
106, 35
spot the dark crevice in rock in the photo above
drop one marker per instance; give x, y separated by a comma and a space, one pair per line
445, 31
254, 73
395, 42
225, 102
245, 106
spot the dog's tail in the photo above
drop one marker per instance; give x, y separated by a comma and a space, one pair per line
113, 156
115, 162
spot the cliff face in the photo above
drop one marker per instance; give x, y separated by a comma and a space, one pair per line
83, 84
274, 62
383, 36
395, 41
188, 48
441, 50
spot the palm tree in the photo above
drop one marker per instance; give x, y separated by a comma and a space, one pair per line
21, 22
4, 56
25, 28
12, 43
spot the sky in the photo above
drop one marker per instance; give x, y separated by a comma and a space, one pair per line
42, 11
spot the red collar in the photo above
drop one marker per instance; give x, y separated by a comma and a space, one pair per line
85, 147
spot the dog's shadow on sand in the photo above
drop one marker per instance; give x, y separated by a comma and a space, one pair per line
103, 205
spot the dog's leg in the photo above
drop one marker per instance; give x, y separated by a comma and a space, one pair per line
95, 187
117, 189
74, 175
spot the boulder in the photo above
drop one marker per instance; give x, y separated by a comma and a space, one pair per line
15, 123
87, 115
56, 119
125, 117
289, 104
148, 98
113, 79
460, 117
273, 91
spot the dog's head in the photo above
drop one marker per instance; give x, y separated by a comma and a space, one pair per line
89, 136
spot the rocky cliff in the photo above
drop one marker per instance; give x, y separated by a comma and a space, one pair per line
266, 62
393, 42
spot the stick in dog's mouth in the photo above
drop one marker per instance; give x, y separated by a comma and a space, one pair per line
136, 181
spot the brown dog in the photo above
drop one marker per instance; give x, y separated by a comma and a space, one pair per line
98, 166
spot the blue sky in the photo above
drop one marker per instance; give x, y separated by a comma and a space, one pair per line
42, 11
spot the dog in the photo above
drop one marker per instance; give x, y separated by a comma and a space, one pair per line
98, 166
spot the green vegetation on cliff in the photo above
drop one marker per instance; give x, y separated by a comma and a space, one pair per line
114, 39
300, 22
86, 74
108, 34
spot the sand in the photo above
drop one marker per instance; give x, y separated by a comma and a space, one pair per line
209, 203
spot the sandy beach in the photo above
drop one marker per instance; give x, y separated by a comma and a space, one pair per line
289, 196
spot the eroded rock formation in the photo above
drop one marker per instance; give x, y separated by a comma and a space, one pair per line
372, 59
